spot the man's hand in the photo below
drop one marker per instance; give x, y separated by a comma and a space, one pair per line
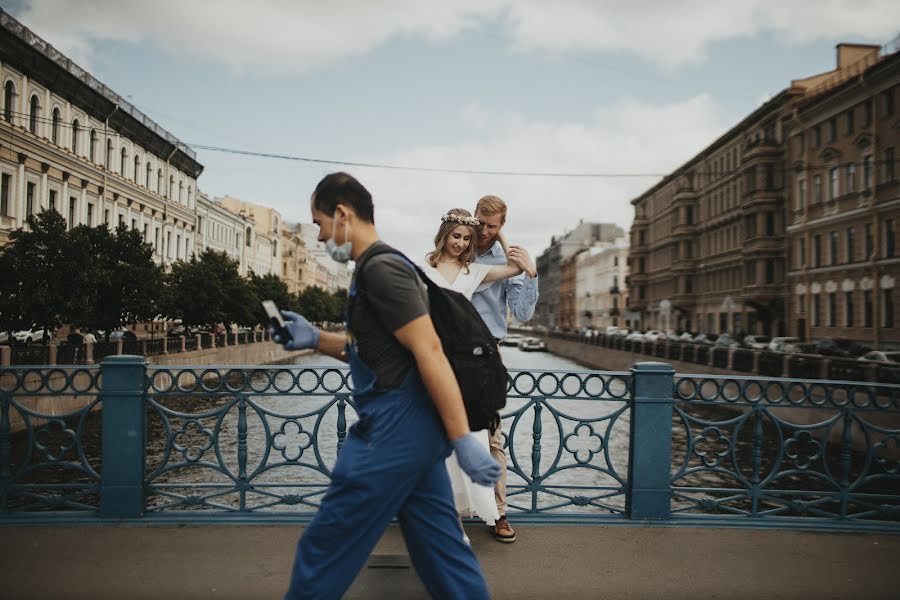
518, 255
303, 333
475, 460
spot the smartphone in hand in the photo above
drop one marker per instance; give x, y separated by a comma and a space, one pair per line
276, 320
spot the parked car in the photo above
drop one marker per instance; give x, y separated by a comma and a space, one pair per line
654, 335
511, 340
30, 336
618, 332
757, 342
840, 347
705, 339
777, 344
881, 356
125, 335
635, 336
532, 344
727, 340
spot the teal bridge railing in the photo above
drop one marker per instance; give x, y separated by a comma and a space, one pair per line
129, 441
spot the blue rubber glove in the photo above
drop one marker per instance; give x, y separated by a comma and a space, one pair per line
475, 460
303, 333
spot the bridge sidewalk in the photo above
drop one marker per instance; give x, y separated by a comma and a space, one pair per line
253, 562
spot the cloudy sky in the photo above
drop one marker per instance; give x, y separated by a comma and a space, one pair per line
620, 91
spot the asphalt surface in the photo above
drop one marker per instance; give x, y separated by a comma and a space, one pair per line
250, 562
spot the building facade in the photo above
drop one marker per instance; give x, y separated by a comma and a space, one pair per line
298, 267
262, 239
600, 292
329, 275
221, 230
73, 145
845, 215
549, 263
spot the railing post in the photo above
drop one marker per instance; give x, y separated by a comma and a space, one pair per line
649, 493
5, 356
51, 353
124, 433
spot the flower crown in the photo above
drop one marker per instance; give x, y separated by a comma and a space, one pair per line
461, 219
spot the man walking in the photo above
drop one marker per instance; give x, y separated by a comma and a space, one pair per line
520, 295
410, 413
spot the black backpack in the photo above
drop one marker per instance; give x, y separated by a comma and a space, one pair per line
468, 344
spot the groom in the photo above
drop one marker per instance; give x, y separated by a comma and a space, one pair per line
520, 295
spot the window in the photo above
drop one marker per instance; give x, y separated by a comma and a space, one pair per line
817, 250
75, 131
106, 216
93, 152
180, 192
751, 179
171, 187
816, 309
770, 270
832, 129
146, 231
137, 167
851, 243
642, 263
90, 214
870, 242
178, 245
134, 223
889, 308
642, 237
189, 197
770, 223
801, 194
109, 154
833, 185
889, 246
54, 126
122, 162
849, 121
817, 136
29, 198
159, 181
801, 248
769, 173
9, 98
615, 261
642, 292
121, 219
848, 309
750, 272
867, 308
73, 202
801, 303
832, 309
148, 174
851, 178
52, 196
801, 143
156, 240
817, 189
888, 164
5, 179
33, 115
247, 237
867, 113
833, 247
888, 97
867, 172
169, 243
689, 215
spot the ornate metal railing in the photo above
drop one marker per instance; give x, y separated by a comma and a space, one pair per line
258, 443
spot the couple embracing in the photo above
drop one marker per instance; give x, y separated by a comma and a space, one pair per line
393, 462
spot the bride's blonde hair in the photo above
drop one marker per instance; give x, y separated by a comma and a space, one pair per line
450, 221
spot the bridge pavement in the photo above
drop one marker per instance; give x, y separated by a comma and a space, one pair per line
548, 561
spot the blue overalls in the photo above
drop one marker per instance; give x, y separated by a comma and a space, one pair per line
392, 463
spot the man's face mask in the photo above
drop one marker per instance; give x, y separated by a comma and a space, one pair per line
343, 252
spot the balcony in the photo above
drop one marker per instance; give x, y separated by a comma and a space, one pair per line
761, 148
763, 245
762, 292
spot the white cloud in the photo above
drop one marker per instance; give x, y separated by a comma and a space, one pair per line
287, 36
626, 138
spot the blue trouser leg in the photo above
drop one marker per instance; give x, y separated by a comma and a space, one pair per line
391, 463
445, 563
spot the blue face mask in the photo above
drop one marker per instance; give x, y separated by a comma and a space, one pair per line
340, 253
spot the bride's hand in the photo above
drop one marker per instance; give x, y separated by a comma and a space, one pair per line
518, 255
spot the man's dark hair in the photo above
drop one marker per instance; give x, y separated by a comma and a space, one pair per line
342, 188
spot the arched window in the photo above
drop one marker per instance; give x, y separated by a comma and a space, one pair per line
159, 181
75, 131
171, 186
137, 167
54, 126
122, 162
180, 192
189, 197
9, 99
33, 115
93, 155
109, 152
149, 173
247, 238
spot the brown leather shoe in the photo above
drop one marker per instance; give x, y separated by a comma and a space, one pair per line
503, 532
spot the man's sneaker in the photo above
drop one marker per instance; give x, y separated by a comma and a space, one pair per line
503, 532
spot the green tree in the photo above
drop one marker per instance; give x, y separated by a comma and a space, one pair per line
318, 305
41, 279
270, 287
209, 290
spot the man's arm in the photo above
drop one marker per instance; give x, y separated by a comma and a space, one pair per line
522, 296
333, 344
419, 337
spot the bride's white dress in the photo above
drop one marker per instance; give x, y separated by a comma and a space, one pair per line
472, 500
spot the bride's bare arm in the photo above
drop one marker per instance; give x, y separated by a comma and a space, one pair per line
510, 269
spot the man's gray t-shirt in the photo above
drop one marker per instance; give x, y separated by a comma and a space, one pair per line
389, 296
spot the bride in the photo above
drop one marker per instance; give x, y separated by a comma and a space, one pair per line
452, 265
